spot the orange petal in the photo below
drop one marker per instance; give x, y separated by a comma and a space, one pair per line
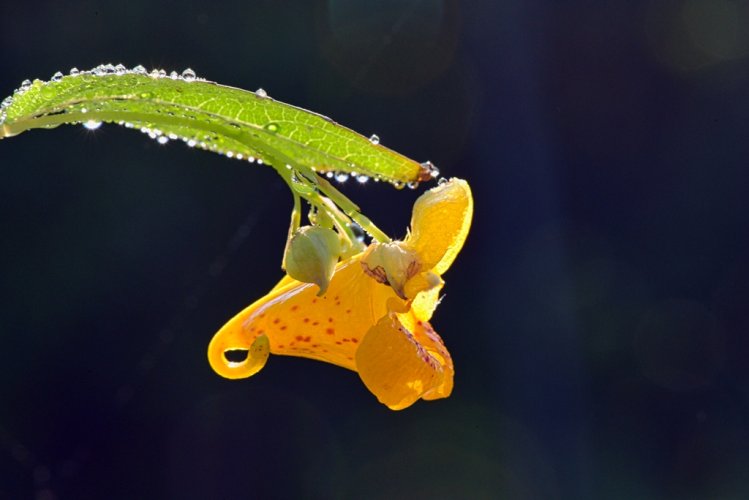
256, 356
394, 365
440, 223
298, 323
431, 341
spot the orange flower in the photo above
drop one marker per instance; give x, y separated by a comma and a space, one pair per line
374, 316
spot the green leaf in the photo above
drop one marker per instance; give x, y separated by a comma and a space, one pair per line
237, 123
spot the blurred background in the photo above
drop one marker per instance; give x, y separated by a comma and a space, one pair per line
597, 316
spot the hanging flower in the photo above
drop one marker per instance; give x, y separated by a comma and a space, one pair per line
374, 316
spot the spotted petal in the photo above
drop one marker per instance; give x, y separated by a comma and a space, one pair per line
396, 367
298, 323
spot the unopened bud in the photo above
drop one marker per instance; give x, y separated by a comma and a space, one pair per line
311, 256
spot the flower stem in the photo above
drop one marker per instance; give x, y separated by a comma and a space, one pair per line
352, 210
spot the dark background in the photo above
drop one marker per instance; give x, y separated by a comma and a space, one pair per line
597, 316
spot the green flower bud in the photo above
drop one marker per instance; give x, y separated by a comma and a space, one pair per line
311, 256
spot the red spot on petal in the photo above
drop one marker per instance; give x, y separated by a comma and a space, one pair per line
314, 301
308, 338
338, 342
348, 311
299, 338
354, 340
330, 320
306, 320
276, 321
283, 327
330, 331
294, 308
315, 323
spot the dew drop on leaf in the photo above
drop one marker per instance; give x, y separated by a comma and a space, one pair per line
430, 169
272, 127
374, 139
188, 75
341, 177
91, 124
261, 93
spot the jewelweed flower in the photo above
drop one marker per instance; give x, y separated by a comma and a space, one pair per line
374, 316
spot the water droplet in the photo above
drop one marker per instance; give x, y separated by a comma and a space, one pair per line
261, 93
229, 154
430, 169
251, 159
139, 70
191, 143
329, 175
374, 139
7, 102
91, 124
146, 95
162, 139
120, 70
442, 181
84, 110
25, 85
399, 184
362, 179
412, 185
259, 161
173, 75
272, 127
188, 75
57, 76
240, 156
75, 72
341, 177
